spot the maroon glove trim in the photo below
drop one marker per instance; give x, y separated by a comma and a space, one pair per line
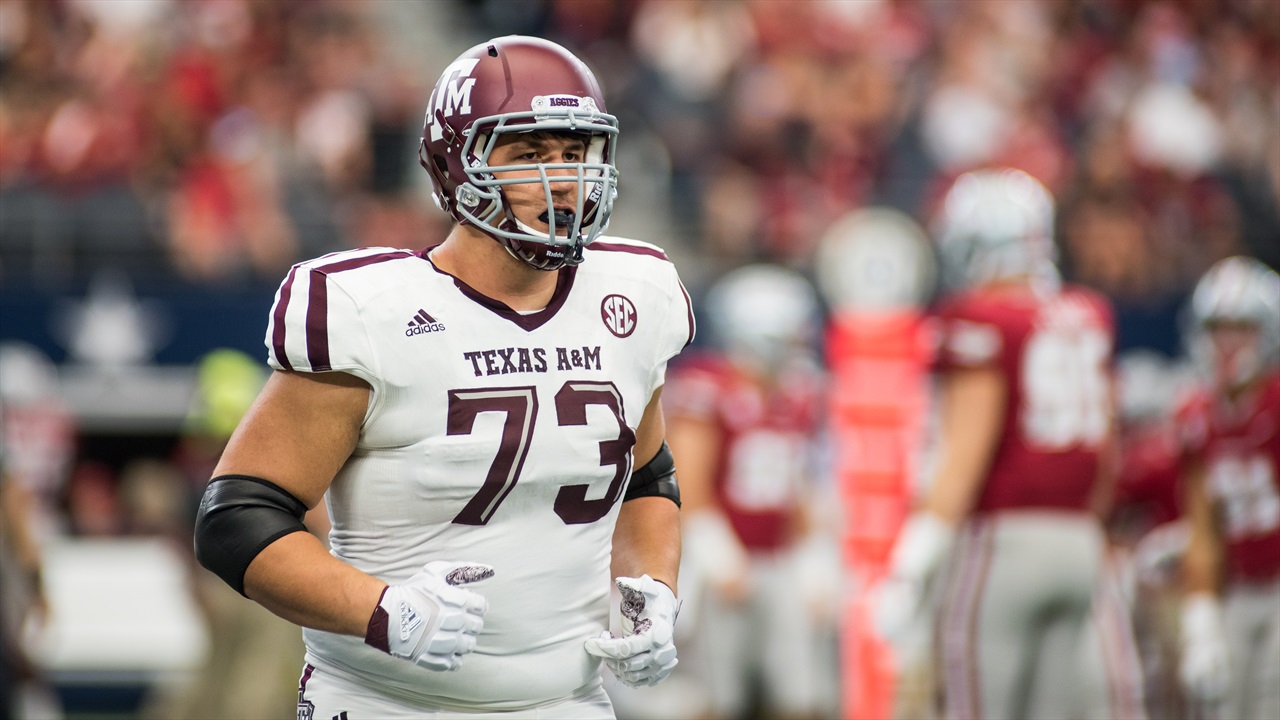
379, 622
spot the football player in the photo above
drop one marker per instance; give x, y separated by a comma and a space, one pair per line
1231, 614
1145, 525
1025, 419
481, 418
744, 420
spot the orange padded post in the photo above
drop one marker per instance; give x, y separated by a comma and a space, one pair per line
878, 364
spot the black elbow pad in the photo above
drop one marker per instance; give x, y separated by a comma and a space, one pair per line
656, 478
239, 516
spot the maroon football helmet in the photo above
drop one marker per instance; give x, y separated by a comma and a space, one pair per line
518, 84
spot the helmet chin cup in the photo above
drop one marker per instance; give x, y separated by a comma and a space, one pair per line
537, 248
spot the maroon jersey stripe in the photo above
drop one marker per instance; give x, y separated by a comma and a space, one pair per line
633, 249
277, 331
688, 303
318, 304
318, 322
359, 262
306, 677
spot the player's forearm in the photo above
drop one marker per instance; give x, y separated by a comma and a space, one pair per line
647, 540
297, 579
962, 469
17, 504
1201, 563
1200, 569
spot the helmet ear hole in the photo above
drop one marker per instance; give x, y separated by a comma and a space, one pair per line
441, 164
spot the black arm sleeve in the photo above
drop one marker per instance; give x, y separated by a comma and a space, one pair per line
657, 477
239, 516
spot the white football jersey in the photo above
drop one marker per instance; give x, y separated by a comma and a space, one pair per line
491, 436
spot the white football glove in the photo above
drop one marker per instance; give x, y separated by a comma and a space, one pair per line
1204, 670
645, 654
898, 602
428, 619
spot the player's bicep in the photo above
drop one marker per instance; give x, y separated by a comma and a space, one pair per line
299, 432
651, 432
972, 417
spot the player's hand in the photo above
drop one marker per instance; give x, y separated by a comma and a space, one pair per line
429, 619
896, 608
645, 654
1204, 669
898, 602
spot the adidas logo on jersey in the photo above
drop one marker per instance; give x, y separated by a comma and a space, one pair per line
422, 323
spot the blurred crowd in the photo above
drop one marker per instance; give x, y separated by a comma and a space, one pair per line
222, 140
216, 142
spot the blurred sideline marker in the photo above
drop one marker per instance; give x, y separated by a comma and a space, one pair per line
876, 269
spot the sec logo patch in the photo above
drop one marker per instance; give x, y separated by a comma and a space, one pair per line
619, 315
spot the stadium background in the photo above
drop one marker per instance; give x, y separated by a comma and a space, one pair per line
163, 162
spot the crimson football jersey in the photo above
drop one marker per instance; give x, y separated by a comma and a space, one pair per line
1240, 447
1055, 350
1147, 489
766, 456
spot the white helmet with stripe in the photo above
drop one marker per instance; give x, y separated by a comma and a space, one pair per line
995, 224
763, 312
1237, 291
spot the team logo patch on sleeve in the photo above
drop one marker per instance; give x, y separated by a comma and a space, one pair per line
619, 315
970, 342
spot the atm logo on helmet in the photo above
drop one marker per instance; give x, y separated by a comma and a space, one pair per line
452, 94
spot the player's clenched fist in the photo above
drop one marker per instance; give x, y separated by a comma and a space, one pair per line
428, 619
645, 654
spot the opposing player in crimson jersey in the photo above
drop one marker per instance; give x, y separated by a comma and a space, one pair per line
1147, 537
1025, 419
744, 420
1231, 472
482, 419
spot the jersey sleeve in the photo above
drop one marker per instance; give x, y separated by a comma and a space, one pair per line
966, 339
316, 326
677, 330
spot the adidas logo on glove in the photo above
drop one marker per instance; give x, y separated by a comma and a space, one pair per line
409, 621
